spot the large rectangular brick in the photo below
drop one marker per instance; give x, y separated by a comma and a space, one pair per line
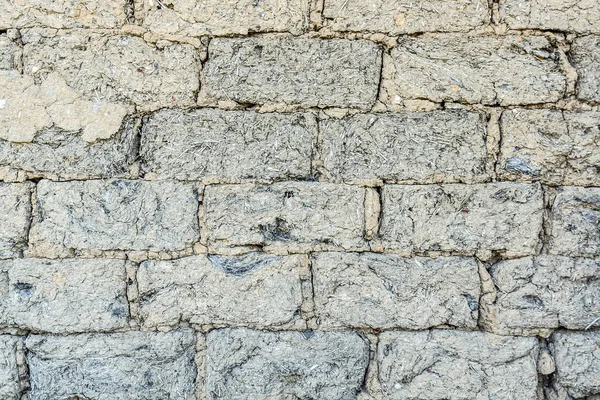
227, 146
55, 295
398, 17
245, 364
580, 16
15, 214
293, 215
503, 218
308, 72
116, 68
129, 365
439, 364
252, 290
63, 13
218, 17
585, 55
575, 222
369, 290
10, 388
502, 70
447, 146
535, 294
577, 358
111, 215
556, 147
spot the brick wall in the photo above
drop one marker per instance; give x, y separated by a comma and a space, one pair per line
300, 199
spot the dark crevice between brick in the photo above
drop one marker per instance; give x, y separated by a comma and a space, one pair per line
32, 201
308, 296
23, 368
546, 231
129, 9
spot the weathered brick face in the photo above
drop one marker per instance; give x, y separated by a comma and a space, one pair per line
300, 199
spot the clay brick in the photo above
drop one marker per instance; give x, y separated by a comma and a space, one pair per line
227, 146
504, 218
243, 364
15, 214
577, 362
54, 296
113, 215
292, 215
585, 56
580, 16
575, 221
503, 70
556, 147
131, 365
404, 16
63, 13
252, 290
457, 365
218, 17
535, 294
10, 389
369, 290
308, 72
442, 146
8, 53
116, 68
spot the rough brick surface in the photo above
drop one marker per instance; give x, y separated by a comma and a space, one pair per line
246, 364
117, 68
456, 365
403, 16
113, 215
533, 295
10, 388
504, 70
309, 72
132, 365
292, 215
581, 16
8, 53
218, 17
575, 222
369, 290
585, 55
15, 214
62, 13
503, 218
556, 147
577, 357
54, 295
227, 146
405, 147
251, 290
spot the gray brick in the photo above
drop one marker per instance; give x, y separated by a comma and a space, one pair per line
15, 214
8, 53
369, 290
218, 17
227, 146
577, 362
251, 290
116, 68
457, 365
10, 388
585, 56
292, 215
405, 147
245, 364
404, 16
533, 295
504, 70
580, 16
575, 222
131, 365
114, 215
503, 218
54, 296
556, 147
308, 72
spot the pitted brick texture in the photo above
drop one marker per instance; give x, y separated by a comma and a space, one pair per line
577, 362
580, 16
9, 374
15, 213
